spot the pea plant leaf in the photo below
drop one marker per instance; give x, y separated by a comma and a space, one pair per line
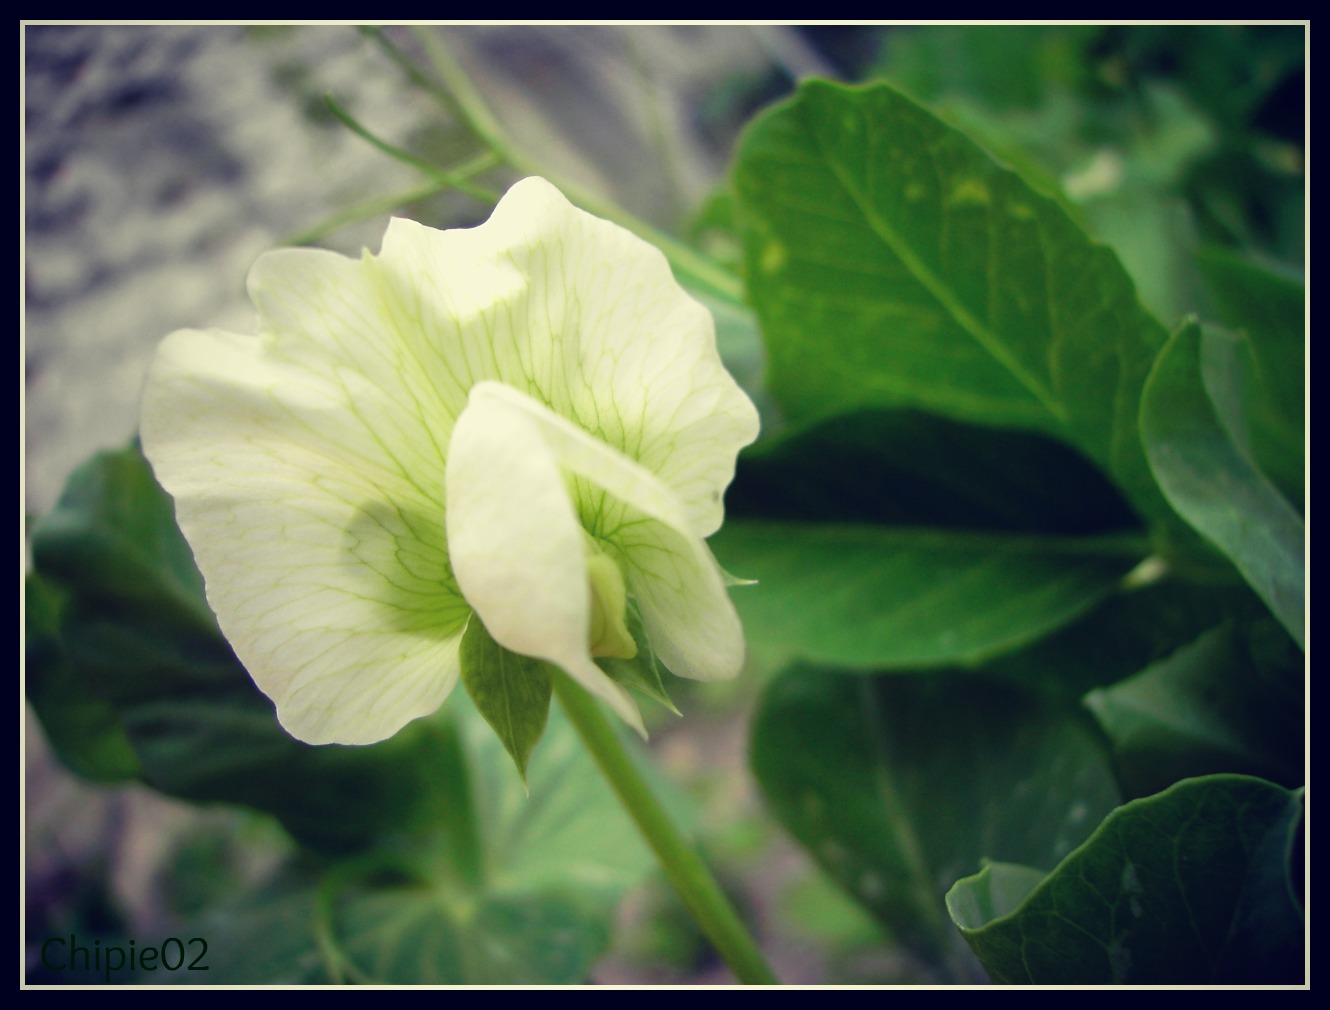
83, 729
1230, 701
875, 597
1189, 430
893, 263
911, 468
1188, 887
900, 785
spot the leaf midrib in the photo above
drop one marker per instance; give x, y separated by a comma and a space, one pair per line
945, 297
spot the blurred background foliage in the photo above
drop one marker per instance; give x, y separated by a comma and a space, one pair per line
958, 662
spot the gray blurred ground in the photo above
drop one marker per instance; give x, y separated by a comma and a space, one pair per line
160, 161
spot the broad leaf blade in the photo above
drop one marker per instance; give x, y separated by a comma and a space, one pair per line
874, 597
1215, 486
417, 937
899, 786
892, 263
1189, 887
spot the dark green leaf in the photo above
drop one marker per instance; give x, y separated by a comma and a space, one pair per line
1189, 887
1232, 701
1214, 485
893, 263
1138, 625
84, 730
899, 786
907, 468
873, 597
1270, 307
113, 534
512, 692
402, 934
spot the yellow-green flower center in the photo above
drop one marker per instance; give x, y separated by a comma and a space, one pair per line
609, 637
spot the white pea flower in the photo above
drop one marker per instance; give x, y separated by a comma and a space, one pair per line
525, 422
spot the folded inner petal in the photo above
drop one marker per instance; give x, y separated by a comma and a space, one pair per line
679, 587
516, 545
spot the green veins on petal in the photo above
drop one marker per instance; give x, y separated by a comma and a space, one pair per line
526, 420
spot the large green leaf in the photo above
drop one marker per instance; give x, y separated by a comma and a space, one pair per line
1232, 701
899, 786
515, 889
399, 932
876, 597
893, 263
1193, 433
1189, 887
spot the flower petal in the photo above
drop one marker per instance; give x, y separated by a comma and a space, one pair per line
323, 549
602, 334
688, 615
516, 545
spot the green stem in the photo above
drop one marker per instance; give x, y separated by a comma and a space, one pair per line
684, 867
460, 817
458, 179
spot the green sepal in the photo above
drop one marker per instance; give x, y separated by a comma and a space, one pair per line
511, 691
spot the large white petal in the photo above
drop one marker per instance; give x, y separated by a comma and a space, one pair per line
321, 540
516, 545
607, 339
